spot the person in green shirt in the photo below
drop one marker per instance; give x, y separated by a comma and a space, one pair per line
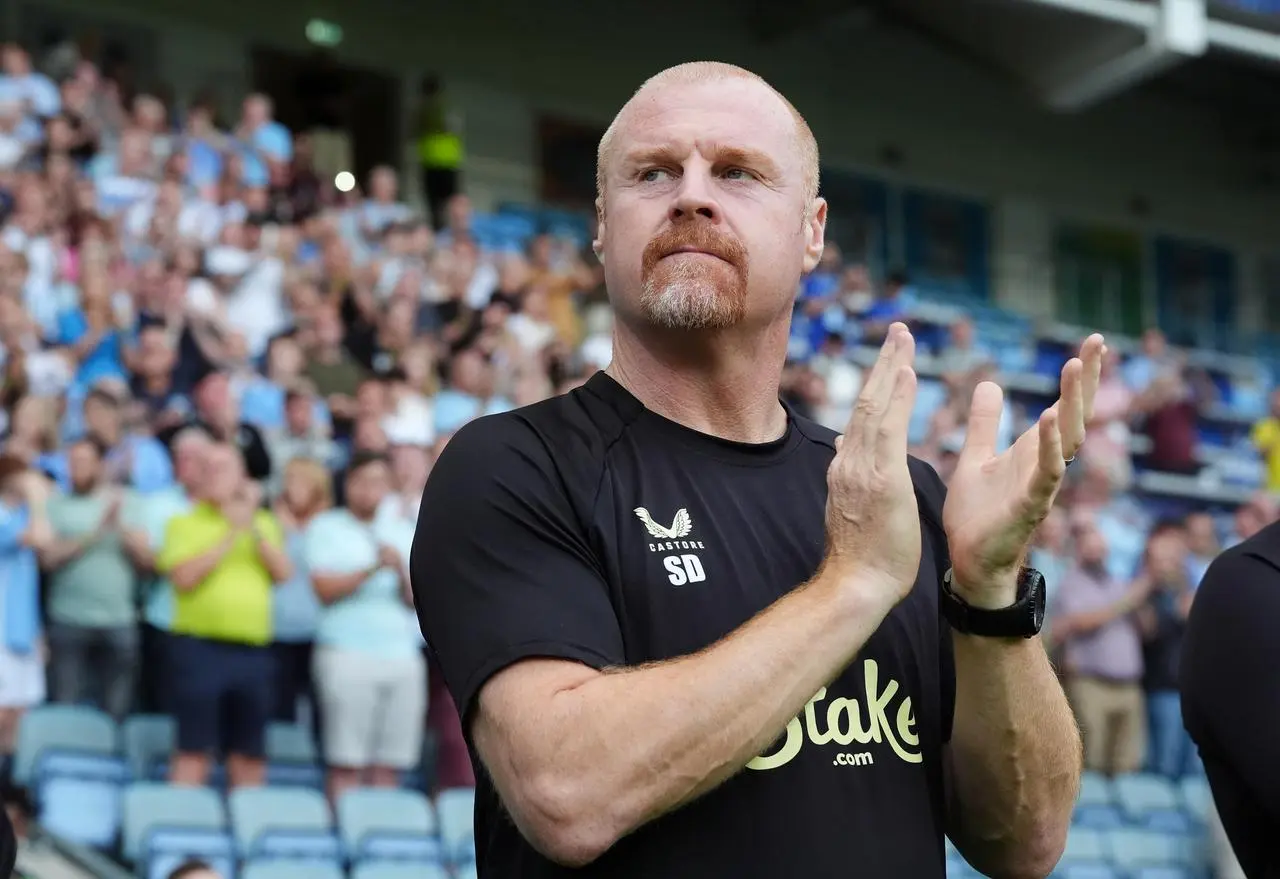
223, 557
93, 628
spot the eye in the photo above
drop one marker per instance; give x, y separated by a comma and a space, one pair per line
738, 174
653, 175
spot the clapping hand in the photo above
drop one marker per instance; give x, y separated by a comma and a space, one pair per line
388, 557
995, 501
873, 524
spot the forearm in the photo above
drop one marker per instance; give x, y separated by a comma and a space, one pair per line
621, 748
191, 573
63, 550
277, 561
334, 587
1015, 757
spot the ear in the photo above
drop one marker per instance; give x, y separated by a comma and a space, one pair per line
597, 245
815, 232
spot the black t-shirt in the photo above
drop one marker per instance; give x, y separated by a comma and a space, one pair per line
1230, 674
591, 529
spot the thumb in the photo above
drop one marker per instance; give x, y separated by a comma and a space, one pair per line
984, 421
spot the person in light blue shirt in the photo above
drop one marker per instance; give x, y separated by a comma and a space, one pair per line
369, 671
24, 530
307, 492
262, 140
143, 538
470, 392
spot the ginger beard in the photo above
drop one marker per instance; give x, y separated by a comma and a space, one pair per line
693, 291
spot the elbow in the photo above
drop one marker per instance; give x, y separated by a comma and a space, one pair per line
1033, 855
565, 822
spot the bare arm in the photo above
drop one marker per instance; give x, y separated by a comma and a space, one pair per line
194, 571
583, 758
276, 560
62, 550
335, 587
138, 547
1014, 747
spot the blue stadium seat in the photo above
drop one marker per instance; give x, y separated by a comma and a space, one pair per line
296, 775
385, 824
1132, 848
1174, 821
1099, 870
290, 870
149, 806
1140, 793
1195, 796
1165, 872
282, 822
384, 870
164, 848
1085, 844
1095, 790
80, 810
455, 809
1098, 817
62, 727
148, 738
290, 743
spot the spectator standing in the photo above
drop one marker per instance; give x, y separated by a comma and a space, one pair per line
368, 666
223, 558
1102, 652
1170, 407
24, 531
470, 393
155, 511
440, 151
218, 415
1163, 620
1154, 361
307, 493
1266, 439
1203, 545
301, 436
93, 631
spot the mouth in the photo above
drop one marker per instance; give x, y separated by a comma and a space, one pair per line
690, 249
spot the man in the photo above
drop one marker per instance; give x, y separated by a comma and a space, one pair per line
218, 415
223, 558
93, 632
1102, 654
143, 542
1231, 695
626, 586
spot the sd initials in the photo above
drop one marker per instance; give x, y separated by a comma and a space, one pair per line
682, 569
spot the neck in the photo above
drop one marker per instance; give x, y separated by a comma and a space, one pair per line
724, 384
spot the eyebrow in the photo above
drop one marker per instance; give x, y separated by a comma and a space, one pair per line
723, 155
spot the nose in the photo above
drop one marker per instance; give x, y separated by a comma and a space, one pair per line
695, 197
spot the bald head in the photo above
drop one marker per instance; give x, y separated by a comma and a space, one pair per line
695, 73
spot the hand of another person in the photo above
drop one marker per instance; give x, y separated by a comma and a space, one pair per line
388, 557
873, 523
996, 501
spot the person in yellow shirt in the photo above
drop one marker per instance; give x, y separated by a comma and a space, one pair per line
1266, 439
222, 558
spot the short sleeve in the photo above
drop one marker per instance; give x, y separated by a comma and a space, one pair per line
502, 566
1231, 698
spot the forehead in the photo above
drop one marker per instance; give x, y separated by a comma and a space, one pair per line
735, 113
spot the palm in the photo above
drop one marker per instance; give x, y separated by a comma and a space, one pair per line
995, 501
991, 507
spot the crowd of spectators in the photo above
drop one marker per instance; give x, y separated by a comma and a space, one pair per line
225, 382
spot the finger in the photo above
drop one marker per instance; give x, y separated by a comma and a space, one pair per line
904, 353
1051, 463
891, 437
1071, 408
984, 422
870, 386
1092, 353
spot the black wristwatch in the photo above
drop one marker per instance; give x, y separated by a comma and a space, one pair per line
1022, 619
